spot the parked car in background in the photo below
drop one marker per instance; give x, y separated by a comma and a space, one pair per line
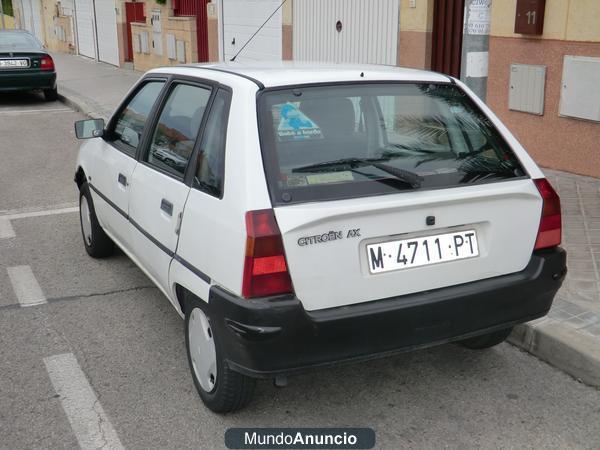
324, 214
25, 65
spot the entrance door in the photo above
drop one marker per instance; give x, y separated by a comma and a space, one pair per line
32, 18
447, 36
84, 21
241, 19
134, 12
197, 9
346, 31
106, 31
27, 19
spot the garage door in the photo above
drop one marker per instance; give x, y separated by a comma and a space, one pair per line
106, 27
350, 31
32, 18
240, 21
84, 20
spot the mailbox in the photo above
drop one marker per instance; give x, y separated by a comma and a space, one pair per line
529, 18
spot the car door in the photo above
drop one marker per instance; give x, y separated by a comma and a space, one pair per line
115, 160
209, 221
158, 188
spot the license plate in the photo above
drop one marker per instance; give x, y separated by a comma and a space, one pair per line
13, 63
422, 251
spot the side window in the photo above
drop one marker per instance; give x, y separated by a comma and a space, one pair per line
177, 128
211, 158
130, 123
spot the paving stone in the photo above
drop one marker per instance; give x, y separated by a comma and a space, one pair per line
571, 308
584, 276
594, 329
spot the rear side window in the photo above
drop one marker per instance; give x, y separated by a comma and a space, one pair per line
17, 40
132, 119
177, 128
334, 142
211, 157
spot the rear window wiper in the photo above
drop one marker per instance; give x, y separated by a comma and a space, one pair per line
408, 177
342, 164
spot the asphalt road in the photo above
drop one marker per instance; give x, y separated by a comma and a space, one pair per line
128, 343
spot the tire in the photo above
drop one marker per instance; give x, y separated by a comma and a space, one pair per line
487, 340
97, 243
51, 95
225, 391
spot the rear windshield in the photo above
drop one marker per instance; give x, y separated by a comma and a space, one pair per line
10, 41
344, 141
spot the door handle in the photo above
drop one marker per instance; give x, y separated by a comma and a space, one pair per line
166, 206
123, 179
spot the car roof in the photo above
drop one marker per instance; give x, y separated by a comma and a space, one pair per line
289, 73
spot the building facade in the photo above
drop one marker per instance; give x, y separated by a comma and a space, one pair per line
563, 132
535, 62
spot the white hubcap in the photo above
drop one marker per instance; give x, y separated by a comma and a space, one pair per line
202, 349
86, 220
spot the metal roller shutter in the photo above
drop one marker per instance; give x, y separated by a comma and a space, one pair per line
368, 31
84, 21
106, 28
241, 19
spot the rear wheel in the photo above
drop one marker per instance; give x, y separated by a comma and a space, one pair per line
221, 389
487, 340
96, 241
51, 94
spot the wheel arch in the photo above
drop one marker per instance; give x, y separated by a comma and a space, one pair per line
182, 294
80, 177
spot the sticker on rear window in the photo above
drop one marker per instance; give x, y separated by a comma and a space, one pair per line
296, 180
294, 125
333, 177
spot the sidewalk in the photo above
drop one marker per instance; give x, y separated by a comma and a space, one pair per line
93, 88
568, 338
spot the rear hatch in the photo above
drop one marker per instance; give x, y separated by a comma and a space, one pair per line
385, 190
333, 262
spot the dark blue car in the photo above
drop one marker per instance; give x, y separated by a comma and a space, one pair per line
25, 65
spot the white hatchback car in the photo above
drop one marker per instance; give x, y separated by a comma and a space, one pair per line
300, 216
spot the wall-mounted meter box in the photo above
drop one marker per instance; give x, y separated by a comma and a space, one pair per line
529, 18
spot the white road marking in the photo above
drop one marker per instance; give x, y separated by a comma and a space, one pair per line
26, 287
9, 212
18, 112
47, 212
6, 229
88, 420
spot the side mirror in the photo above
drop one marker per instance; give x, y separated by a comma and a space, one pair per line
91, 128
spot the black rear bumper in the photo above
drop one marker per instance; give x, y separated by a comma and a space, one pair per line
26, 81
266, 337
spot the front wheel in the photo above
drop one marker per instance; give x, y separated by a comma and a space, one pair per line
487, 340
96, 241
221, 389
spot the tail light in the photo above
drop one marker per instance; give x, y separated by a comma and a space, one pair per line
550, 231
265, 267
47, 63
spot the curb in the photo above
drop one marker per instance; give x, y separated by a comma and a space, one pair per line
89, 109
562, 346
